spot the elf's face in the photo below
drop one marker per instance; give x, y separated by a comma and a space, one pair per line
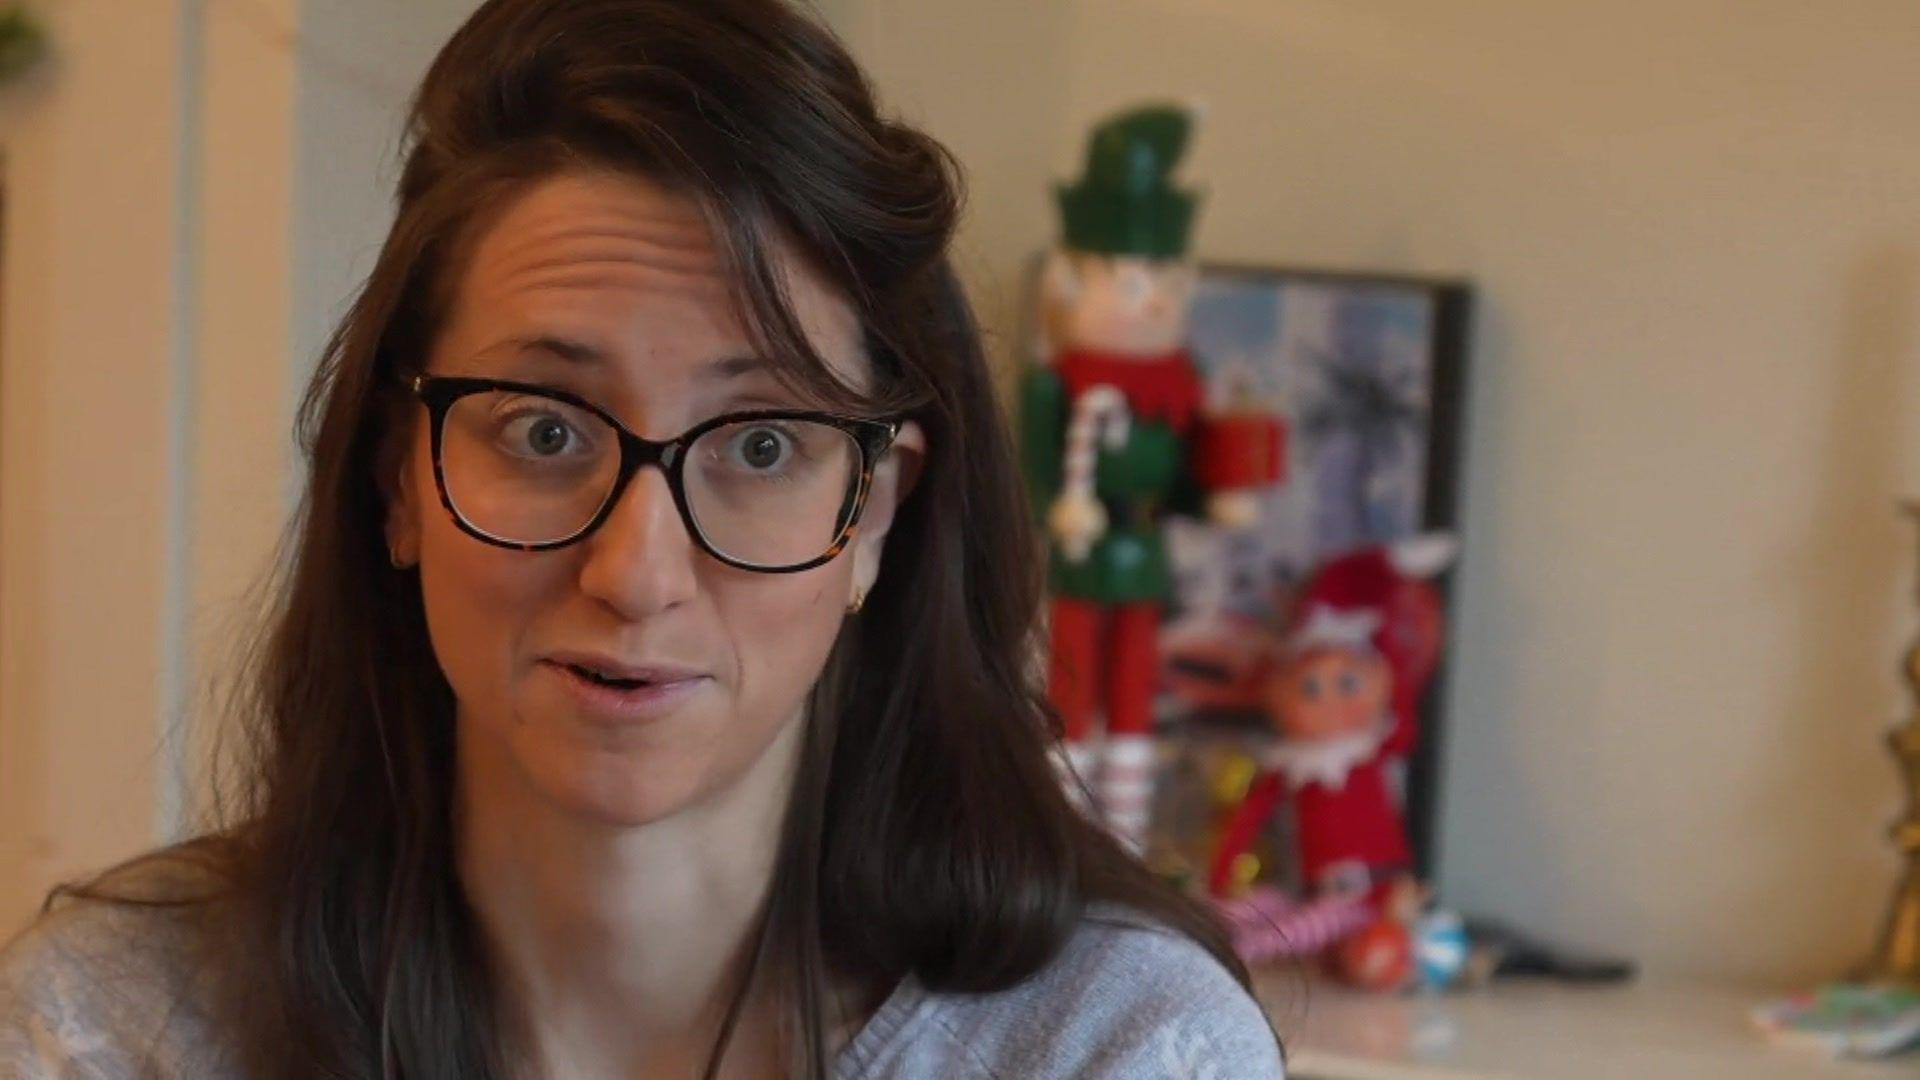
1123, 305
1330, 692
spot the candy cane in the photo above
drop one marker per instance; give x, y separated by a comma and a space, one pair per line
1077, 519
1268, 924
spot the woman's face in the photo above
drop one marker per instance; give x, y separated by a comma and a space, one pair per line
609, 287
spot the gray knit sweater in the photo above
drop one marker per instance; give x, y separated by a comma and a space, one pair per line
105, 990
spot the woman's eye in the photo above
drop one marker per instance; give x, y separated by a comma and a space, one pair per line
539, 435
1310, 688
761, 448
1349, 683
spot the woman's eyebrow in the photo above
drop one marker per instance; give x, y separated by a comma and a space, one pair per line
580, 352
561, 348
732, 367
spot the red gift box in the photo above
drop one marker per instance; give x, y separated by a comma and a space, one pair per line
1240, 450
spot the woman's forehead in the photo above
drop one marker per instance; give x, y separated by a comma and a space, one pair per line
578, 228
630, 268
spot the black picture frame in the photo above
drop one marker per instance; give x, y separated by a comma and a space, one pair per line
1446, 305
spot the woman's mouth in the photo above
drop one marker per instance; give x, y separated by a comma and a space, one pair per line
625, 695
603, 678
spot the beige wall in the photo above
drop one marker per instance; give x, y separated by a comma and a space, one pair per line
89, 476
141, 432
193, 188
1696, 231
988, 78
362, 61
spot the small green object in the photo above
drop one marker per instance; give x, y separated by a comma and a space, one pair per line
1126, 203
22, 42
1128, 565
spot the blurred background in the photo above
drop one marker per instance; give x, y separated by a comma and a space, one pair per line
1694, 231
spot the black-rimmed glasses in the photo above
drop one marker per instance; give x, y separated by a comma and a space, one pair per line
534, 468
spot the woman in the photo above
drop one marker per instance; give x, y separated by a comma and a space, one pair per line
646, 692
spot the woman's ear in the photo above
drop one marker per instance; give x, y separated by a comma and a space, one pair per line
893, 480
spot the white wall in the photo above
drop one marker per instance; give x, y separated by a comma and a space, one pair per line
1695, 227
193, 188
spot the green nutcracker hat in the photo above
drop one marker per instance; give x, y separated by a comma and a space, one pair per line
1126, 203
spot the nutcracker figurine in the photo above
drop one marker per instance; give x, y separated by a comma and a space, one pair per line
1344, 696
1114, 438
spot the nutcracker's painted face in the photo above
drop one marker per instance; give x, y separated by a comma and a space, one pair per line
1327, 693
1123, 305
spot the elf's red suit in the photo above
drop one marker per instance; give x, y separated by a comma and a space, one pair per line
1364, 643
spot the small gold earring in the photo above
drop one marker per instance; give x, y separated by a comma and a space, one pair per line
859, 601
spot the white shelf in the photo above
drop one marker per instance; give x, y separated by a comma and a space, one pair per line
1528, 1028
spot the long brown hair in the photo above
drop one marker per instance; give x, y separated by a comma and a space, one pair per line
928, 834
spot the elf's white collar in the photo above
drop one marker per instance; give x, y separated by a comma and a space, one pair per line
1326, 761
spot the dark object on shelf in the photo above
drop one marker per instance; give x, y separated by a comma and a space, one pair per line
1517, 954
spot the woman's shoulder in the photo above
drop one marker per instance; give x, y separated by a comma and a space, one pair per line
113, 983
1126, 997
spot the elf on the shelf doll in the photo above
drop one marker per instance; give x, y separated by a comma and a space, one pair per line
1113, 439
1344, 695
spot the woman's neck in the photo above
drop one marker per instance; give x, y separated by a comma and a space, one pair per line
619, 948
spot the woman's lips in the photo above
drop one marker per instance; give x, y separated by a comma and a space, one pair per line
624, 704
632, 671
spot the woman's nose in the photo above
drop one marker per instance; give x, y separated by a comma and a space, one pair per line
641, 560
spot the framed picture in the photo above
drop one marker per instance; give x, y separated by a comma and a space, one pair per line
1369, 372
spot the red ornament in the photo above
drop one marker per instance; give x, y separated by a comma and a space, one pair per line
1379, 957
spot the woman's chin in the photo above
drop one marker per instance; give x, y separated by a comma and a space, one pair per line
611, 789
